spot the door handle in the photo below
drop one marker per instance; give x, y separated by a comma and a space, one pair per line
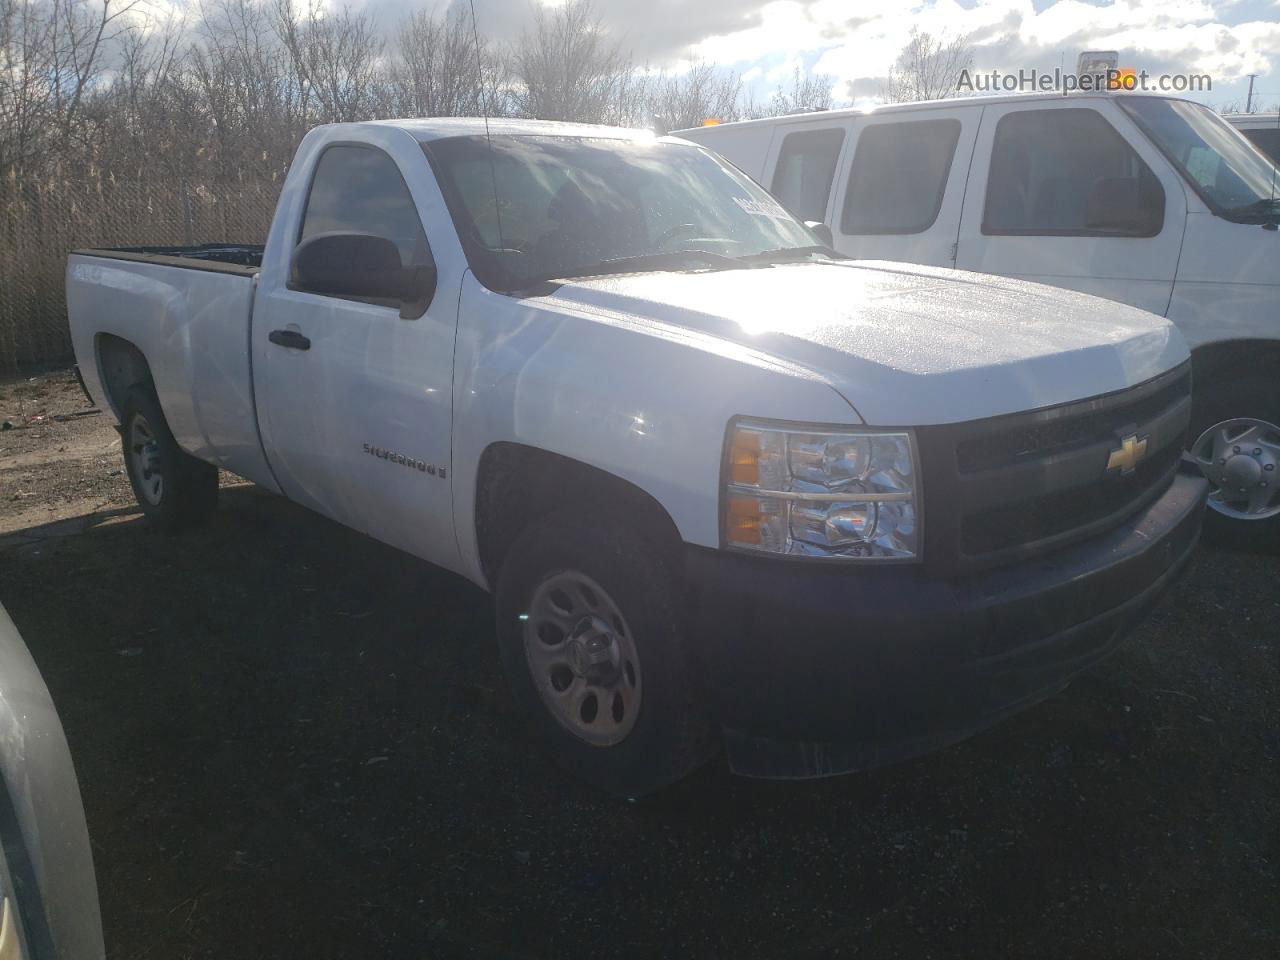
289, 338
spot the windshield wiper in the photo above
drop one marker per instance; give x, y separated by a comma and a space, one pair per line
792, 253
674, 260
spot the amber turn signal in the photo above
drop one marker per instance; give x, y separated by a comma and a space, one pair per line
743, 521
744, 458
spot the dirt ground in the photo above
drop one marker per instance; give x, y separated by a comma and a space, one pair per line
293, 742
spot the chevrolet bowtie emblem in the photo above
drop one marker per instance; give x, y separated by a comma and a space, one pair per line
1132, 449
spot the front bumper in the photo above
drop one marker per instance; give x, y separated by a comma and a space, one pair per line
815, 670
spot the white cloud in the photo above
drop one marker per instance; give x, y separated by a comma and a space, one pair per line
859, 41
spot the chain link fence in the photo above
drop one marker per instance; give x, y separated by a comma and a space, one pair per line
41, 221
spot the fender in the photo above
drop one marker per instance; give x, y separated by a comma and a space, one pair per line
644, 401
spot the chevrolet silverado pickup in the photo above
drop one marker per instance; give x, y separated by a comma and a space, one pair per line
728, 487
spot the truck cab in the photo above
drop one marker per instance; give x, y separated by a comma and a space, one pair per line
1147, 200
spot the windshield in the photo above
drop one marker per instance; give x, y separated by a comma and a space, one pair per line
536, 208
1229, 173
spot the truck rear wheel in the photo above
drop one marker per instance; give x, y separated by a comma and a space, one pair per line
1235, 440
173, 488
590, 636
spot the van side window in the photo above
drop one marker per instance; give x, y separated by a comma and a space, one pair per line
806, 167
1068, 173
1268, 141
358, 189
898, 176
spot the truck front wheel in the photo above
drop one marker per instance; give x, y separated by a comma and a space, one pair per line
173, 488
589, 632
1235, 441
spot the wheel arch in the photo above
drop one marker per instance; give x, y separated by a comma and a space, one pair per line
1225, 359
121, 365
516, 484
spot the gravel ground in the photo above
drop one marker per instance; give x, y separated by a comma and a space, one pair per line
293, 742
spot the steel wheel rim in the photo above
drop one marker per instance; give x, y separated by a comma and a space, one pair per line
144, 458
1241, 460
582, 658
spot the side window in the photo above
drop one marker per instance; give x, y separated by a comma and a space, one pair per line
358, 189
806, 167
1068, 173
898, 177
1268, 141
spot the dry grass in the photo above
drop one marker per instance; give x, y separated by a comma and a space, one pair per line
42, 220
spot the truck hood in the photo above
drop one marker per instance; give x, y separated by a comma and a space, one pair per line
904, 345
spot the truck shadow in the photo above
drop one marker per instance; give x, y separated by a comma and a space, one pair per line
292, 740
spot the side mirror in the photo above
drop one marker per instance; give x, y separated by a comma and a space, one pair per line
822, 232
362, 266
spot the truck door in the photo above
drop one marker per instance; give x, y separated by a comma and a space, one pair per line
1072, 195
902, 191
355, 402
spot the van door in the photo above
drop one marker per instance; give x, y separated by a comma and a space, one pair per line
903, 188
1069, 193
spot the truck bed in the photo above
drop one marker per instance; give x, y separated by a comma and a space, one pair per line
242, 258
186, 311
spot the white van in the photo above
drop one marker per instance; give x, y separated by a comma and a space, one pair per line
1152, 201
1263, 129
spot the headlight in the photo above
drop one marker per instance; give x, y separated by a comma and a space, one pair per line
838, 494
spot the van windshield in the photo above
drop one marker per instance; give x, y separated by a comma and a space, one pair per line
1229, 173
536, 208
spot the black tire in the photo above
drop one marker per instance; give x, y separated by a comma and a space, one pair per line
187, 491
671, 735
1257, 398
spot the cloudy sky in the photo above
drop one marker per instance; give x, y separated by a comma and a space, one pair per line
856, 41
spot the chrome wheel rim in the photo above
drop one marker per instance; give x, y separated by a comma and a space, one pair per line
144, 460
1240, 459
582, 658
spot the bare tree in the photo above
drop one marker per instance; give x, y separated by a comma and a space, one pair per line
51, 56
26, 102
808, 93
141, 120
80, 31
437, 70
568, 68
928, 68
687, 99
249, 98
336, 56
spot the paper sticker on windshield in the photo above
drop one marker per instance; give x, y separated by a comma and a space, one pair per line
762, 208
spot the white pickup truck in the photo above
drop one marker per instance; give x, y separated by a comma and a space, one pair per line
727, 486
